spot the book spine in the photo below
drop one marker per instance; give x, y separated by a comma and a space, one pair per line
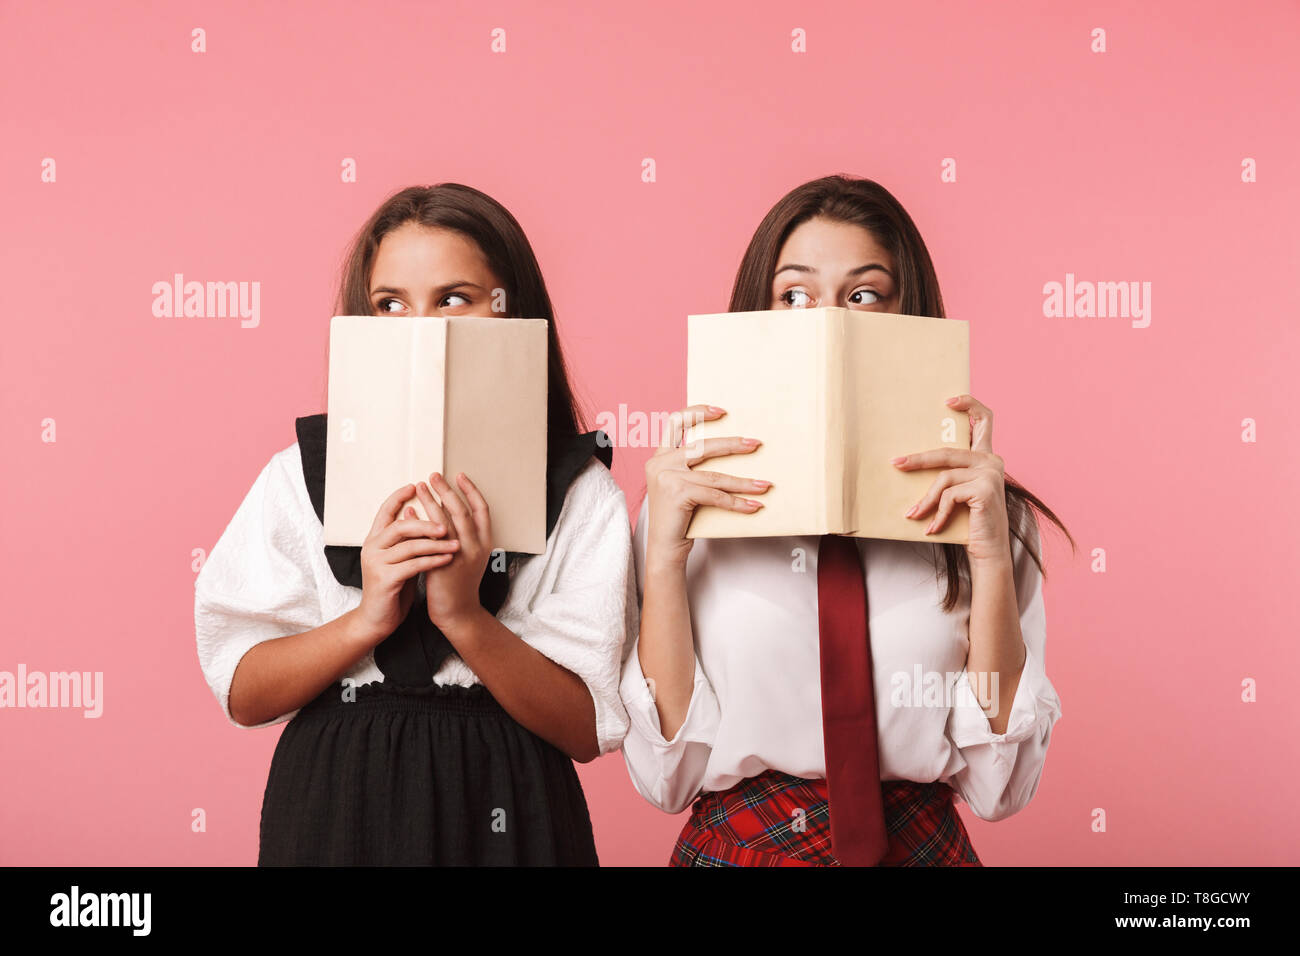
835, 417
413, 398
426, 400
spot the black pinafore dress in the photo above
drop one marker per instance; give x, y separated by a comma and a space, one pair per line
403, 772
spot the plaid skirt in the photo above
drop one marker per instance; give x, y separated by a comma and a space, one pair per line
776, 819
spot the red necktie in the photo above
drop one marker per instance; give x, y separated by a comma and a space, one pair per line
858, 834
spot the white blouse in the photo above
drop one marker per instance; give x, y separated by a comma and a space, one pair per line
756, 702
267, 577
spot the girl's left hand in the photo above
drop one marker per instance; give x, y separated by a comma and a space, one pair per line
976, 477
452, 590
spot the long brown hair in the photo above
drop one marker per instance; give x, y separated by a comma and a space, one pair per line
488, 224
864, 203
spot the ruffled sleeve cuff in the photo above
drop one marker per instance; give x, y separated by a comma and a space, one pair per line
1034, 703
227, 629
585, 621
668, 773
1000, 772
256, 584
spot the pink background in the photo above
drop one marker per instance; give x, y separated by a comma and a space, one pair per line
1122, 166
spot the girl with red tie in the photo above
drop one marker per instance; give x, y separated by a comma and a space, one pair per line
763, 663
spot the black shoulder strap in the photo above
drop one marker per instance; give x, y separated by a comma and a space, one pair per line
345, 562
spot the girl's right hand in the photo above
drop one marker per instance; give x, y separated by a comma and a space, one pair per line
394, 553
675, 489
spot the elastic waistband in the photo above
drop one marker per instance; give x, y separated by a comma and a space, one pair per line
776, 819
772, 784
383, 697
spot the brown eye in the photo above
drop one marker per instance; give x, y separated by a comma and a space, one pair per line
796, 298
875, 297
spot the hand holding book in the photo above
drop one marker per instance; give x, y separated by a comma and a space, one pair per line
394, 553
974, 478
452, 589
676, 487
411, 396
834, 394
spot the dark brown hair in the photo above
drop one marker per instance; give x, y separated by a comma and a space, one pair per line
488, 224
864, 203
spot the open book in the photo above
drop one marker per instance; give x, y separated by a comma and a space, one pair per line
411, 396
833, 394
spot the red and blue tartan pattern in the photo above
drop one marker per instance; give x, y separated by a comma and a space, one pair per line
776, 819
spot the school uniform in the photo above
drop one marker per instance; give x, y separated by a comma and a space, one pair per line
749, 757
409, 760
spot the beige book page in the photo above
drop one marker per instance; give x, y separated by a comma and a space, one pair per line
767, 369
898, 371
496, 422
385, 414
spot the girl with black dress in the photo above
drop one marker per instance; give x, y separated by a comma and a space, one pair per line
436, 695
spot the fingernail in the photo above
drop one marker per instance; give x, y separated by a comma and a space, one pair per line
761, 484
756, 504
751, 442
910, 511
929, 529
951, 400
899, 460
715, 409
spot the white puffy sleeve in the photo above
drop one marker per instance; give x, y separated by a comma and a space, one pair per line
668, 773
998, 773
589, 606
256, 583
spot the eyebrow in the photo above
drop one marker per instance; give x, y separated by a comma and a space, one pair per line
852, 272
444, 288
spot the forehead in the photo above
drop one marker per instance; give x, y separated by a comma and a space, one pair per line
832, 246
415, 248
